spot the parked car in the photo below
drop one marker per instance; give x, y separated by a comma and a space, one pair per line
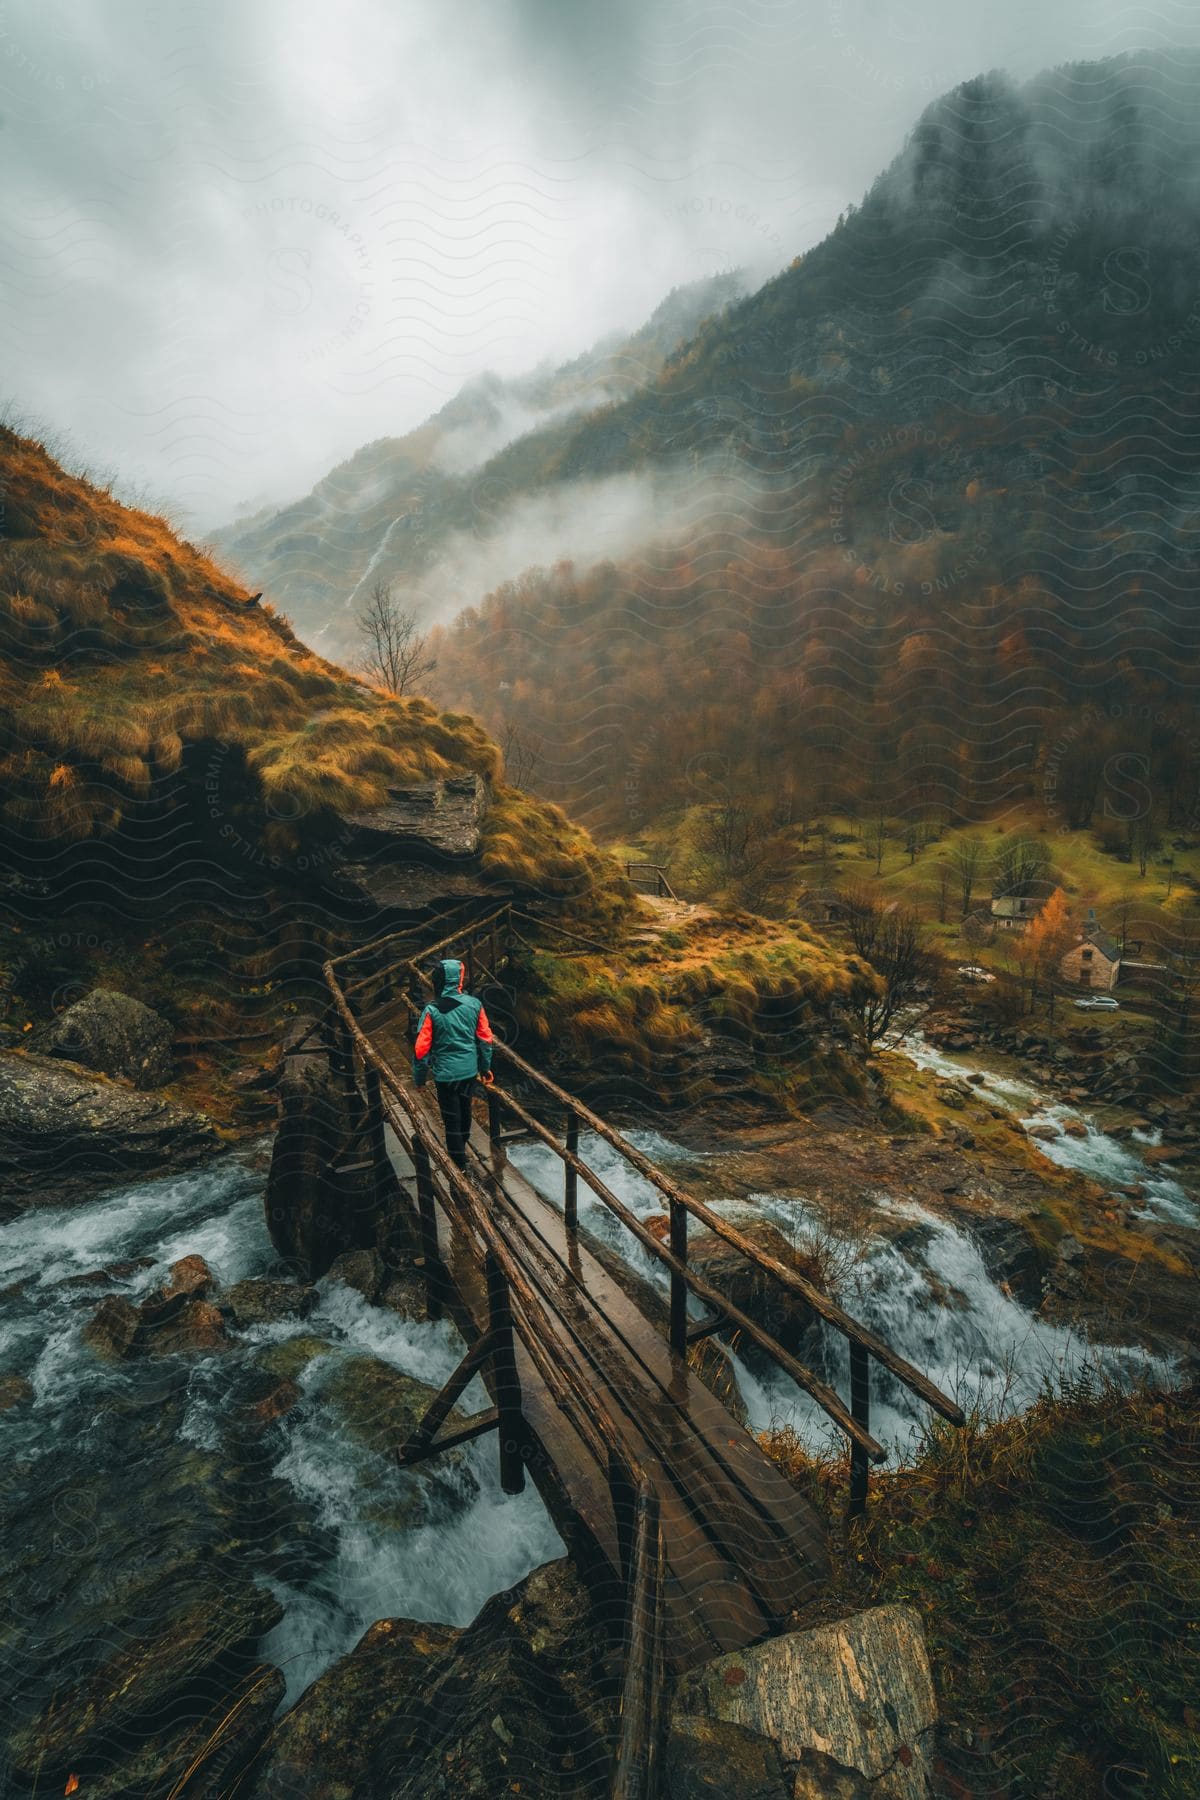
973, 972
1098, 1003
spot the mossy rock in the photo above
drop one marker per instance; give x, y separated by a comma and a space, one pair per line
324, 1746
292, 1356
380, 1404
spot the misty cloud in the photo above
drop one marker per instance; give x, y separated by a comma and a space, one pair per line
241, 241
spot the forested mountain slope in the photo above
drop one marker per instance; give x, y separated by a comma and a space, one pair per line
938, 493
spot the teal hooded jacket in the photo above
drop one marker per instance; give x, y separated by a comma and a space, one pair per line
454, 1040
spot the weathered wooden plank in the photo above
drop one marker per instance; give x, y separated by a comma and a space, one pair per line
762, 1525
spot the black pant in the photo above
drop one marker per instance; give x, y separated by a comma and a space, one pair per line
454, 1098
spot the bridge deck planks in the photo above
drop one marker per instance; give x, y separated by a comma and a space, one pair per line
774, 1537
743, 1548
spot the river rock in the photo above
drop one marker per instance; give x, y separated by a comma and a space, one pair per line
198, 1325
517, 1705
755, 1292
14, 1391
209, 1759
114, 1329
260, 1302
66, 1131
381, 1405
110, 1273
324, 1747
113, 1034
185, 1628
132, 1617
362, 1270
858, 1692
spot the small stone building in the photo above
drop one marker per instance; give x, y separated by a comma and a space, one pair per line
1012, 912
1094, 962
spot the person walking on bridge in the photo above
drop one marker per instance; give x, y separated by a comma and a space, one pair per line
454, 1043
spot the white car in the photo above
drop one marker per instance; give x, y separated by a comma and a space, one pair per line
1098, 1003
973, 972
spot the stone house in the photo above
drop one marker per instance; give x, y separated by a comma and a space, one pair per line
1095, 961
1012, 912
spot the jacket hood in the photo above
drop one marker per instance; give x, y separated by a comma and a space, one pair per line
451, 973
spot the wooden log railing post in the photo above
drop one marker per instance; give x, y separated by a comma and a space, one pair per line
380, 1164
495, 1124
508, 1382
860, 1411
570, 1178
679, 1286
640, 1712
431, 1255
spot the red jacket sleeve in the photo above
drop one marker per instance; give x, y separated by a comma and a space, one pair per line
483, 1042
425, 1037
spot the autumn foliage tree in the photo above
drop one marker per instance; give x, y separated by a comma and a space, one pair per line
1047, 939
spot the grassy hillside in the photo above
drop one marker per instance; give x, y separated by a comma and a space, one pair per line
1053, 1558
182, 786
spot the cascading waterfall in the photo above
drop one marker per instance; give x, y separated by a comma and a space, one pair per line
461, 1539
920, 1284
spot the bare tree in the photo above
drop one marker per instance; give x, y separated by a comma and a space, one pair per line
724, 835
891, 938
968, 854
945, 878
394, 653
1020, 864
522, 754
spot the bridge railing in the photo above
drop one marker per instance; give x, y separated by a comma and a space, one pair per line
650, 878
853, 1419
514, 1308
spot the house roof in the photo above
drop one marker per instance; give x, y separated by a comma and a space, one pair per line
1101, 940
1013, 906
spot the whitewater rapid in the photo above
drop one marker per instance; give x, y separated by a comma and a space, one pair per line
1086, 1147
355, 1567
919, 1282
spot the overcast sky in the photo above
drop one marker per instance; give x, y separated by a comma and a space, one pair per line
243, 237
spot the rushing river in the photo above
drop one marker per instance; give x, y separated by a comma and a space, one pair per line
350, 1564
371, 1541
920, 1283
1084, 1146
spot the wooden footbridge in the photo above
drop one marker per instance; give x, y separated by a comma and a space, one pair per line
704, 1545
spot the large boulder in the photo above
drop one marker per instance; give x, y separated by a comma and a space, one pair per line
66, 1131
516, 1705
853, 1700
260, 1302
113, 1034
324, 1747
759, 1295
130, 1634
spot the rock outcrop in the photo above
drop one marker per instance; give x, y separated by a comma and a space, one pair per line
113, 1034
518, 1704
850, 1704
309, 1222
152, 1666
324, 1747
66, 1131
